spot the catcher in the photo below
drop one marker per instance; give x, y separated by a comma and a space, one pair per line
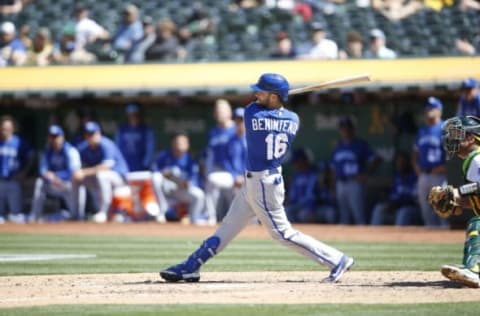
461, 137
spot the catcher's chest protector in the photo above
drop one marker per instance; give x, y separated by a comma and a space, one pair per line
474, 199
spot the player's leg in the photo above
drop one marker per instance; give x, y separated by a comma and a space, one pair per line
195, 198
236, 219
407, 216
468, 272
216, 182
65, 193
79, 196
38, 199
15, 202
378, 214
428, 215
158, 182
266, 198
356, 201
342, 203
106, 181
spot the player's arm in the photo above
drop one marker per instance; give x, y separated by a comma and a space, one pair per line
104, 165
449, 200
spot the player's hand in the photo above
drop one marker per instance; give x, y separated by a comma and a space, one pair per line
79, 175
239, 181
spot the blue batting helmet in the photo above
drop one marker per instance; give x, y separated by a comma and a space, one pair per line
273, 83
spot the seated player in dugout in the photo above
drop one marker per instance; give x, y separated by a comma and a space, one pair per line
461, 138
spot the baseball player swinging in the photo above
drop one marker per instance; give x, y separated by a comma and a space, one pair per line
270, 131
461, 137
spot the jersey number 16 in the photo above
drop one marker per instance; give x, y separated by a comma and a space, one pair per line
276, 145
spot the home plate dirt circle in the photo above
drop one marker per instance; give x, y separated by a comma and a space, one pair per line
392, 287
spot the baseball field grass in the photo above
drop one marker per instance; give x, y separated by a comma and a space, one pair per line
130, 254
120, 254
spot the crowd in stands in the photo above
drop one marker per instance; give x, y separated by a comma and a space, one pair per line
125, 179
38, 33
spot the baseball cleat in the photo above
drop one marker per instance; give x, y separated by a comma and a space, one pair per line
180, 273
461, 274
345, 264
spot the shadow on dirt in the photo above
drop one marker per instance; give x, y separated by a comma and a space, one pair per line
435, 284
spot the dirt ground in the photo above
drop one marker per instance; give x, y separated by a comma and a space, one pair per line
392, 287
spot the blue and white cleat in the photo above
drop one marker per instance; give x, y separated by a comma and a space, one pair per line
336, 274
180, 272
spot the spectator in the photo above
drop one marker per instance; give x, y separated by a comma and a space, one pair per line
354, 47
129, 32
24, 36
58, 165
41, 53
469, 103
218, 176
353, 161
199, 28
140, 47
322, 48
12, 50
377, 46
87, 31
396, 10
284, 49
429, 159
467, 5
243, 4
466, 47
176, 179
136, 140
67, 52
400, 208
16, 158
103, 169
9, 7
166, 46
301, 205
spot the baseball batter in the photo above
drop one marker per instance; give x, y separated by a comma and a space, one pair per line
461, 137
270, 131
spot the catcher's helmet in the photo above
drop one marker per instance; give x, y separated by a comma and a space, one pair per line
455, 129
273, 83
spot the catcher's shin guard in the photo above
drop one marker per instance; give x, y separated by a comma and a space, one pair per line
471, 251
473, 228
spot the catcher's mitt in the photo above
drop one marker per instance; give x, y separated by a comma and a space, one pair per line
444, 200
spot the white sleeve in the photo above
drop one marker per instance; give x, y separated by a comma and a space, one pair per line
473, 172
75, 161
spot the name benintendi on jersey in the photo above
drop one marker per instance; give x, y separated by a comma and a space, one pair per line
271, 124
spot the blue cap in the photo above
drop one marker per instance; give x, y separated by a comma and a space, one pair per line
55, 130
239, 112
469, 83
433, 103
132, 108
91, 127
273, 83
345, 121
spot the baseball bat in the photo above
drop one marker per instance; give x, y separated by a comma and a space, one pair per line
332, 84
